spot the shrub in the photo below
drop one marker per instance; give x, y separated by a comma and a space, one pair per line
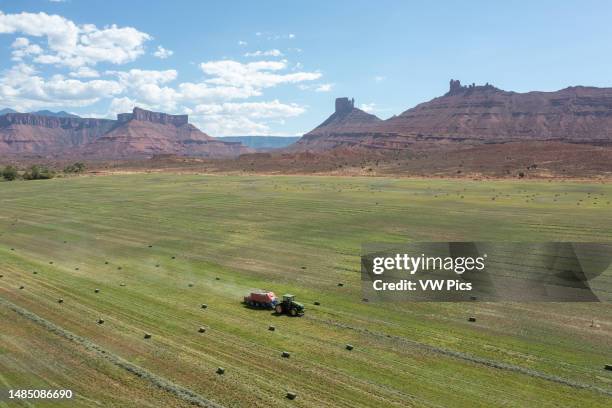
9, 173
37, 172
77, 167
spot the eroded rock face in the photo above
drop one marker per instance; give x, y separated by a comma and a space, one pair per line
475, 114
140, 133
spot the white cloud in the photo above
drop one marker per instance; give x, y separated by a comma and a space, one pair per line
368, 107
258, 75
291, 36
242, 43
23, 48
22, 88
73, 45
268, 53
324, 88
85, 72
162, 53
379, 78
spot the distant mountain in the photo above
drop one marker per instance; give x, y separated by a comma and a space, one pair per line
141, 133
262, 142
7, 110
61, 114
472, 115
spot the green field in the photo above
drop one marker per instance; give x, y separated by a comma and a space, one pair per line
231, 234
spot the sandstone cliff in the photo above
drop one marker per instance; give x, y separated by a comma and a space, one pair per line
140, 133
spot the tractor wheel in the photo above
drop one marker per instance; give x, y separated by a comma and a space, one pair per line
293, 312
279, 309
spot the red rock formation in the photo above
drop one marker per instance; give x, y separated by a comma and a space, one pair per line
479, 114
140, 133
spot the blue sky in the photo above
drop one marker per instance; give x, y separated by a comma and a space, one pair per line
274, 67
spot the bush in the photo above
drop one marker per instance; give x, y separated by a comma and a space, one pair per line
37, 172
77, 167
9, 173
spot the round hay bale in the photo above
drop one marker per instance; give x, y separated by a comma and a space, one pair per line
271, 328
365, 300
35, 273
105, 262
76, 269
122, 284
150, 246
291, 395
174, 257
303, 267
204, 306
1, 276
190, 284
349, 347
50, 262
119, 268
97, 290
100, 321
285, 354
317, 303
220, 370
157, 265
471, 319
201, 330
608, 367
60, 300
472, 297
340, 284
147, 335
21, 287
217, 278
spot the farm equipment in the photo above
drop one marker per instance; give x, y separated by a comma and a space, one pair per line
261, 299
289, 306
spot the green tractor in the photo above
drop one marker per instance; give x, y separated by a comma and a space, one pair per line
289, 306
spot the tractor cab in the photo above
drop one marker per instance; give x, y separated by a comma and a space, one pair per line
289, 306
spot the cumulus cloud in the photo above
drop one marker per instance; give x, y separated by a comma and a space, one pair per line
85, 72
73, 45
268, 53
368, 107
324, 88
379, 78
260, 74
242, 43
162, 53
21, 87
23, 48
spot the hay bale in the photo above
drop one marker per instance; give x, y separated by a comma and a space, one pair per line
365, 300
1, 276
174, 257
50, 262
291, 395
21, 287
97, 290
271, 328
285, 354
147, 335
76, 269
157, 265
217, 278
35, 273
100, 321
608, 367
220, 370
340, 284
105, 262
190, 284
317, 303
204, 306
201, 330
471, 319
60, 300
122, 284
349, 347
150, 246
119, 268
472, 297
